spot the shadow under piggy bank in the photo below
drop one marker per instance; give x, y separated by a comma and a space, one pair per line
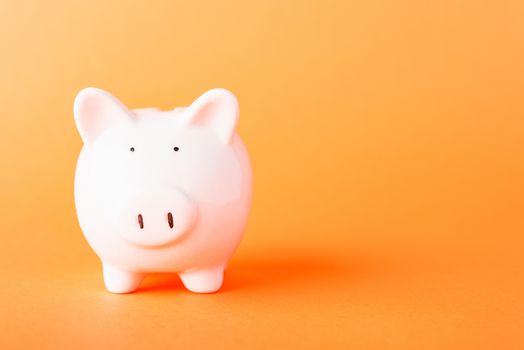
276, 272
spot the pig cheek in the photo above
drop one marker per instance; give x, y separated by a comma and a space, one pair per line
113, 186
212, 178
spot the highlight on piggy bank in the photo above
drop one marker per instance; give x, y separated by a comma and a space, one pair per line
161, 191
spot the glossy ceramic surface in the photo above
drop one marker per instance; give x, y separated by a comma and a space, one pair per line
161, 191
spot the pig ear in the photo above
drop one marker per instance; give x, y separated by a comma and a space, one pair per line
96, 110
216, 109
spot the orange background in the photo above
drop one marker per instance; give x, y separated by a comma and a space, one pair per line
387, 144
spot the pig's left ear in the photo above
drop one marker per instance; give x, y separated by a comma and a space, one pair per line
96, 110
216, 109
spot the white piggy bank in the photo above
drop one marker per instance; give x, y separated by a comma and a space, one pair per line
161, 191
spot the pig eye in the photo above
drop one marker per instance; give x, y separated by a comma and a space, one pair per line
132, 149
176, 149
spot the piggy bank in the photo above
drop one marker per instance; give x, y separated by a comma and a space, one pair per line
161, 191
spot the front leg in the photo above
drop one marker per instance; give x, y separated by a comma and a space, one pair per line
206, 280
120, 281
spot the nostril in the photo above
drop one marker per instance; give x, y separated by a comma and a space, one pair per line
170, 219
140, 221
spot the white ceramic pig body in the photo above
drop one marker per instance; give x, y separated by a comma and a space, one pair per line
161, 191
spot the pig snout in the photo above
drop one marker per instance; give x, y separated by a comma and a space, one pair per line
169, 220
152, 220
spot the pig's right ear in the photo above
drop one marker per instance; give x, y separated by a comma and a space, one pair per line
96, 110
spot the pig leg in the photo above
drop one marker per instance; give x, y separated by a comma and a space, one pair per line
121, 281
207, 280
